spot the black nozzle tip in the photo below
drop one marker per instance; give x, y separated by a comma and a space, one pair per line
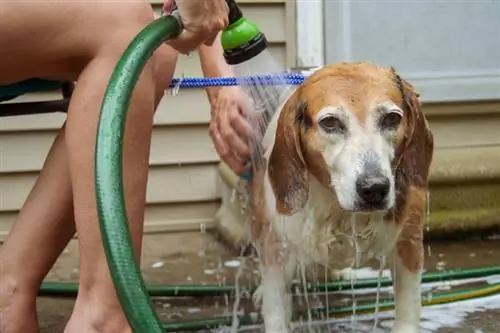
234, 11
246, 51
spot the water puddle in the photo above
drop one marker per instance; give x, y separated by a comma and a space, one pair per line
196, 258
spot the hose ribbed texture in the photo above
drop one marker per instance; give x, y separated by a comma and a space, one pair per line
115, 233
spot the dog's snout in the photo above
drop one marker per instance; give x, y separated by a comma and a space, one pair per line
373, 189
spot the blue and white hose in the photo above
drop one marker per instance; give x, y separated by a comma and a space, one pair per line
204, 82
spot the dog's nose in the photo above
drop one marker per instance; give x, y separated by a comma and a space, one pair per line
373, 189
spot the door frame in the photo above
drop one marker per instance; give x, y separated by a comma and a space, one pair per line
310, 36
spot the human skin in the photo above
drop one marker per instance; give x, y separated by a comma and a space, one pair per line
78, 41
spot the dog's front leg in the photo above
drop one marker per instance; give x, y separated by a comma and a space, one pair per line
407, 264
407, 295
276, 265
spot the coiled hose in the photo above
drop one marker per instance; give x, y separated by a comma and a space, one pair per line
130, 287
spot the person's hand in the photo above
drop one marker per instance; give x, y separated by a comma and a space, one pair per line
201, 19
229, 129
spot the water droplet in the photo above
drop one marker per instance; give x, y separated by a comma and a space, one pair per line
232, 263
158, 264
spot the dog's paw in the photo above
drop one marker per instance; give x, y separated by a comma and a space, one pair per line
278, 329
345, 274
257, 297
404, 328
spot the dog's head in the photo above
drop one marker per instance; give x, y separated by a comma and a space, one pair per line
350, 125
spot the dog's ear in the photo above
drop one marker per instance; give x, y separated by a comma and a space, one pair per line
415, 149
287, 168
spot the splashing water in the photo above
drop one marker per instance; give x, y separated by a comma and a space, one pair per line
306, 294
427, 219
356, 265
265, 93
377, 299
236, 304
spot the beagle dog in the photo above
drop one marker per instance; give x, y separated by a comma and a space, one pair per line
344, 180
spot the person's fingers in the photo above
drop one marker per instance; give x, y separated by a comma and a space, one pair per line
234, 107
211, 40
232, 139
241, 125
233, 162
168, 5
220, 146
187, 41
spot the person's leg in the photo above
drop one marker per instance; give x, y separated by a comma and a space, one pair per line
97, 308
40, 232
95, 35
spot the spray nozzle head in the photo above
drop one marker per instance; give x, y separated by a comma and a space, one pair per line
242, 39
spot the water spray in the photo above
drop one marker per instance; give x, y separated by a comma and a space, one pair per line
258, 74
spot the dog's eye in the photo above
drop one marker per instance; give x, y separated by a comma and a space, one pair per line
332, 124
390, 122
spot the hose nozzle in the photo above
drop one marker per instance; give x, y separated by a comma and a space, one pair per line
242, 39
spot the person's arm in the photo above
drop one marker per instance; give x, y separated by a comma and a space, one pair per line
213, 64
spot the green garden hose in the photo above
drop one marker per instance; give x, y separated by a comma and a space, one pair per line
113, 219
428, 299
337, 312
192, 290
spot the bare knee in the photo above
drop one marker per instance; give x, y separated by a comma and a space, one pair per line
131, 19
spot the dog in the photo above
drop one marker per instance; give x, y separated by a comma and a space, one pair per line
344, 180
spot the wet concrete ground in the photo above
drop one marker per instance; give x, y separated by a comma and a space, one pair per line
196, 258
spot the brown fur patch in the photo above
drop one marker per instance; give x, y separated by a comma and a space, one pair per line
410, 242
262, 232
259, 219
287, 168
414, 150
415, 147
353, 85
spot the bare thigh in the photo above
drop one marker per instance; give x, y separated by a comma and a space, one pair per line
57, 38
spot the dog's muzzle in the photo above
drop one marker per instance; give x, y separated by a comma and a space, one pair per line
372, 190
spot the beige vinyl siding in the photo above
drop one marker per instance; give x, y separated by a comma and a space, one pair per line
464, 124
183, 188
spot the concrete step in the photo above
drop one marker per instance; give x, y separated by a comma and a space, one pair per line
464, 192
